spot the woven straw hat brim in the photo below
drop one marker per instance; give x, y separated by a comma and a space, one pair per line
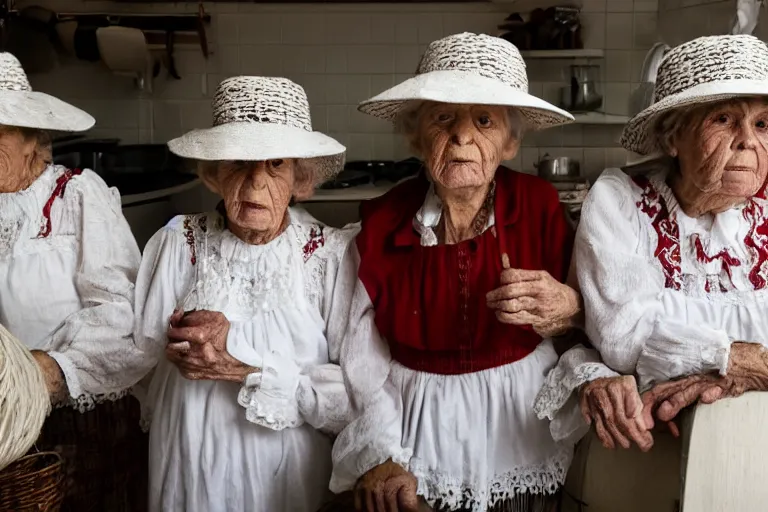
29, 109
464, 87
639, 134
263, 141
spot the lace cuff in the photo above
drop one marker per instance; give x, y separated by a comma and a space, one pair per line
269, 396
557, 400
670, 354
372, 456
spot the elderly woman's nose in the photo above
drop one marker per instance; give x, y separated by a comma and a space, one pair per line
257, 175
746, 137
462, 130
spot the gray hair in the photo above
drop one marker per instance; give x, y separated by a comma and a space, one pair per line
671, 124
407, 122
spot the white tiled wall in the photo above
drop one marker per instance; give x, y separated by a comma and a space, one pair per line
343, 53
702, 17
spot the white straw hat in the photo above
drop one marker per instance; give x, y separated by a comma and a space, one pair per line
262, 118
704, 70
471, 69
21, 106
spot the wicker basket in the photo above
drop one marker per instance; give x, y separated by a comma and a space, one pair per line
34, 483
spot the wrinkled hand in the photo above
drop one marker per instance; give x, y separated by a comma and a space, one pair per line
747, 371
54, 378
534, 297
198, 347
665, 401
614, 405
387, 488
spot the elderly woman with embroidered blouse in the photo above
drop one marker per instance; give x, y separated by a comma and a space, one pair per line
461, 276
673, 263
68, 262
249, 385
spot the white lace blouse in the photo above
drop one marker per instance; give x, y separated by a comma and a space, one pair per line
220, 446
665, 294
68, 262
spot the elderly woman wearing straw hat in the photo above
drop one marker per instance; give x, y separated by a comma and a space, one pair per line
673, 263
461, 275
68, 262
248, 385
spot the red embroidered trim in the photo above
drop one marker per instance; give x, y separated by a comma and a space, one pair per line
757, 240
58, 191
727, 259
316, 240
189, 234
668, 246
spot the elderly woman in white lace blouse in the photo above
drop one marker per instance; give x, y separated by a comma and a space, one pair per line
673, 262
68, 262
247, 387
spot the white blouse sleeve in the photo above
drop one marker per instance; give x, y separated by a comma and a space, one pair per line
375, 433
165, 275
97, 353
558, 399
622, 290
284, 394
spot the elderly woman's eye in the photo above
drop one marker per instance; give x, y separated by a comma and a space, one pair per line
276, 163
722, 118
484, 120
237, 165
443, 117
761, 124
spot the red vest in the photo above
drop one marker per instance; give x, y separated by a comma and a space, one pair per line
430, 301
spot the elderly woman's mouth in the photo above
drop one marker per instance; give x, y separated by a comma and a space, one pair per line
460, 161
248, 206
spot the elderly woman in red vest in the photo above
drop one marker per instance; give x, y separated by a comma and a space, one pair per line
461, 275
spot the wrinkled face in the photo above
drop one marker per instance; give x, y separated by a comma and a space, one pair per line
256, 194
723, 152
462, 145
17, 151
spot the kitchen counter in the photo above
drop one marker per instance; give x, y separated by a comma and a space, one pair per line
350, 194
129, 200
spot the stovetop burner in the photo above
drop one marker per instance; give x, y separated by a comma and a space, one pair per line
365, 172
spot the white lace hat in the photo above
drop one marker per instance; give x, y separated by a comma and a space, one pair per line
262, 118
703, 70
21, 106
471, 69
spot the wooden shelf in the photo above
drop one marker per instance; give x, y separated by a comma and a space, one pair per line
600, 118
592, 53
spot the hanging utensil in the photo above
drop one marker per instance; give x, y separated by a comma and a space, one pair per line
747, 14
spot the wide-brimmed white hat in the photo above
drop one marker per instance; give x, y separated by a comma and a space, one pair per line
21, 106
262, 118
469, 69
704, 70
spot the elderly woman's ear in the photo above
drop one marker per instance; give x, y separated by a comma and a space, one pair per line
510, 149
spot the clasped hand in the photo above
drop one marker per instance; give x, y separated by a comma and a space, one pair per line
197, 345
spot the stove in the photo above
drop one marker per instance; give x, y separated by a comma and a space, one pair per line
371, 172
